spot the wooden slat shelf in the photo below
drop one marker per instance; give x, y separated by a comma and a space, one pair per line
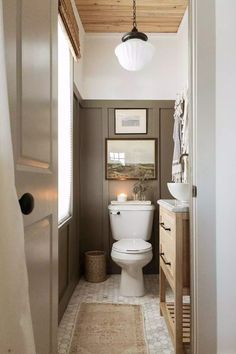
170, 307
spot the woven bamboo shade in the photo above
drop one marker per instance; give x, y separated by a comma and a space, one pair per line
68, 17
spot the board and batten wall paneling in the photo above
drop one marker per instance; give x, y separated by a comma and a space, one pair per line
69, 231
166, 150
63, 260
91, 180
97, 124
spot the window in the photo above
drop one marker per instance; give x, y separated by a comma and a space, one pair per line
65, 128
118, 157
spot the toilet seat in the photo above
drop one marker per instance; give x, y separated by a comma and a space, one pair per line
132, 246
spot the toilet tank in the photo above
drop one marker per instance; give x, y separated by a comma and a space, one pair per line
131, 221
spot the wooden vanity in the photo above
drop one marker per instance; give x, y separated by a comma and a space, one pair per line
175, 270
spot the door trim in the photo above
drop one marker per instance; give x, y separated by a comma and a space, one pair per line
202, 208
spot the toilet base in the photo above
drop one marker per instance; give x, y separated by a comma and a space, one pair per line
132, 283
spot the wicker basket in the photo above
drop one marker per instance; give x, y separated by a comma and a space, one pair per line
95, 266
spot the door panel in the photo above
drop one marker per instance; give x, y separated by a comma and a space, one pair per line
31, 37
34, 125
38, 249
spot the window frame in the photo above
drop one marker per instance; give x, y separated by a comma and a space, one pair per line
67, 218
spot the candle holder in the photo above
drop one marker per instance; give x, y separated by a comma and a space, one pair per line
122, 197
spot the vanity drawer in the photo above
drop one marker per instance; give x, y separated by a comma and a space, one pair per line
167, 221
167, 250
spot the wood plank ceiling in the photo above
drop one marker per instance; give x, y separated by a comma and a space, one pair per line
158, 16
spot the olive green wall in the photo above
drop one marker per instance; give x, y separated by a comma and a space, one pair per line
96, 124
68, 232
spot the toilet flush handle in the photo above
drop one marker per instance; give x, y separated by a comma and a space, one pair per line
115, 212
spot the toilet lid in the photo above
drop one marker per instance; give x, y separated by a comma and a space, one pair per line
132, 246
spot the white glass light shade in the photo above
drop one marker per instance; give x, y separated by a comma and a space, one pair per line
134, 54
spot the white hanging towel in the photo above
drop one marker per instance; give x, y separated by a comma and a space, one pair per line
16, 333
185, 122
176, 166
185, 137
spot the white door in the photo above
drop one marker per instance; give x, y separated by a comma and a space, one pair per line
31, 46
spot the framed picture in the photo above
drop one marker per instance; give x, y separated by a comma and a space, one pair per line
130, 121
131, 159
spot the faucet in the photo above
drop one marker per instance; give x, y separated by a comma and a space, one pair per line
180, 161
181, 157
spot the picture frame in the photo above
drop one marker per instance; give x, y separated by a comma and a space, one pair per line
131, 159
131, 121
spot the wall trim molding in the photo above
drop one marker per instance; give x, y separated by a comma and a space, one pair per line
127, 103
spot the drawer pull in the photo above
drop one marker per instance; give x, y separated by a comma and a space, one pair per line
162, 257
165, 228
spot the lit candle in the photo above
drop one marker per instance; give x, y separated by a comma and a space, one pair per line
122, 197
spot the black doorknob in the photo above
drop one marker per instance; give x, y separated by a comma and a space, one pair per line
26, 203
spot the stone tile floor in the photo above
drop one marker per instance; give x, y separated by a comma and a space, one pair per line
157, 335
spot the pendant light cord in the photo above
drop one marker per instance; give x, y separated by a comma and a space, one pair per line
134, 14
134, 33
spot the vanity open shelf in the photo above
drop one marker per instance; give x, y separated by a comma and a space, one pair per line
175, 271
168, 311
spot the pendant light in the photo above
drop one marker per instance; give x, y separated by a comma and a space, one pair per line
135, 51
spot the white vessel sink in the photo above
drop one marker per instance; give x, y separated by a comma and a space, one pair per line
179, 191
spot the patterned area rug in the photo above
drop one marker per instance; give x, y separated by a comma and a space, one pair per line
109, 329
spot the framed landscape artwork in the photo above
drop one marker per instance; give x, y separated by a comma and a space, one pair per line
130, 159
130, 121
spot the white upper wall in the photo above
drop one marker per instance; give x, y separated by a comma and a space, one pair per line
183, 66
100, 76
104, 78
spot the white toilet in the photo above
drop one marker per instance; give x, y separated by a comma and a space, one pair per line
131, 226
